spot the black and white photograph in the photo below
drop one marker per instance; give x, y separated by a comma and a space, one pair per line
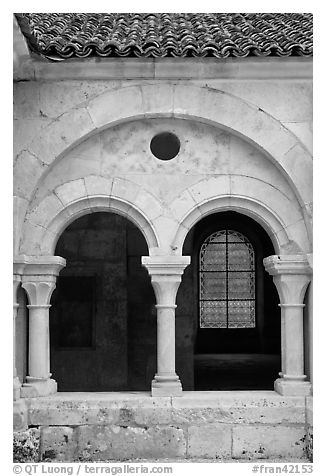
162, 241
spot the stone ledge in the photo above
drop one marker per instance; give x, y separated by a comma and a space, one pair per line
199, 408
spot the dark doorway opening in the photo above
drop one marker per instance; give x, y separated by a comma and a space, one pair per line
102, 319
231, 306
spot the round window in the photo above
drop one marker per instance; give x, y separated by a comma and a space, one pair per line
165, 146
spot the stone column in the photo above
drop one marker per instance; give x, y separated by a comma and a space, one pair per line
291, 275
17, 384
39, 282
166, 275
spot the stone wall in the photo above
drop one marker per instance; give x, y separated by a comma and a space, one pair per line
219, 426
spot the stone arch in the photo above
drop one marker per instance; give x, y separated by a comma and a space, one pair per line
42, 231
282, 240
203, 104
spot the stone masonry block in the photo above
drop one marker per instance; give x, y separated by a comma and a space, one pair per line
268, 441
57, 443
61, 134
124, 189
158, 98
210, 188
309, 410
103, 108
209, 441
298, 163
202, 408
96, 185
71, 413
27, 171
287, 208
19, 415
45, 211
148, 204
71, 191
182, 205
100, 443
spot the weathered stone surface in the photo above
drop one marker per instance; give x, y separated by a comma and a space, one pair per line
20, 416
209, 441
26, 446
112, 408
28, 169
243, 407
268, 441
71, 191
309, 410
57, 443
116, 442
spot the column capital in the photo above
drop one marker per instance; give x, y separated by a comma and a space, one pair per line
288, 264
39, 278
166, 265
291, 275
43, 265
165, 275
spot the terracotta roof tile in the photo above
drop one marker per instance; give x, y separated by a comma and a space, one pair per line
67, 35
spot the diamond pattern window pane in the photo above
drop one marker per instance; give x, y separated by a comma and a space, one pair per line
213, 286
241, 285
240, 256
213, 257
227, 281
241, 314
213, 314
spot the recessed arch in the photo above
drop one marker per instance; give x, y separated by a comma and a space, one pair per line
268, 219
207, 105
57, 223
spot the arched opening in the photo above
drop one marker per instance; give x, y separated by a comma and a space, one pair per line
228, 313
102, 319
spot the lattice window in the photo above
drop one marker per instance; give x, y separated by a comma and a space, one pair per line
227, 281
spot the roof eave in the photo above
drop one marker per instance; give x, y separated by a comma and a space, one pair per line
253, 68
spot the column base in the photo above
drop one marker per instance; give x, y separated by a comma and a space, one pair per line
38, 387
166, 388
292, 387
16, 388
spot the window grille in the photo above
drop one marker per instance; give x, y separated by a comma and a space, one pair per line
227, 281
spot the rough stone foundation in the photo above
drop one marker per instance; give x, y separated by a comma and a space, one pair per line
206, 425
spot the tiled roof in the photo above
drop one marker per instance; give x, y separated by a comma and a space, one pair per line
219, 35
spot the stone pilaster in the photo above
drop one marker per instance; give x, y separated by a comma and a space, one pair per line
166, 275
18, 269
291, 275
38, 281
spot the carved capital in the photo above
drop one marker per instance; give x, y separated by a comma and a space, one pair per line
39, 291
39, 278
291, 275
166, 273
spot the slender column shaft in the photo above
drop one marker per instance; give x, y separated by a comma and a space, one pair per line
165, 342
39, 349
293, 359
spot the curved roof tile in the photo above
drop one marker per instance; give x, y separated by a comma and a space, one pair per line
157, 35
